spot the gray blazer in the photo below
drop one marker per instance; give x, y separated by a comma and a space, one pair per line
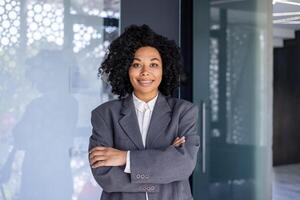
160, 169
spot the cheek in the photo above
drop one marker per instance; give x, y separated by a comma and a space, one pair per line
131, 74
159, 75
159, 82
132, 77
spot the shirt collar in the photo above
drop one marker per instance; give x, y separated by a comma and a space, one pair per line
140, 104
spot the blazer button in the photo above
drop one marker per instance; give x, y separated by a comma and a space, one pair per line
142, 176
138, 176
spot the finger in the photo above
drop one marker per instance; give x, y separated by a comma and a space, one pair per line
98, 148
97, 158
99, 164
176, 145
97, 153
175, 141
181, 140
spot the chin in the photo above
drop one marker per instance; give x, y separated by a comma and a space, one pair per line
145, 91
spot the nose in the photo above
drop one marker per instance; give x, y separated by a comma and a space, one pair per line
144, 71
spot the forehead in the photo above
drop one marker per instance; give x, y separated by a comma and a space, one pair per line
147, 53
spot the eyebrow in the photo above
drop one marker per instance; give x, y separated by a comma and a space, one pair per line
151, 59
155, 59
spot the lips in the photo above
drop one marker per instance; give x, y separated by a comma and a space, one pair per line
145, 82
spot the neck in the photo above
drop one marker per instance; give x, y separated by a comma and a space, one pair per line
146, 97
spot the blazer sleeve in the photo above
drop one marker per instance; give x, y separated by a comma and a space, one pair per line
112, 179
170, 164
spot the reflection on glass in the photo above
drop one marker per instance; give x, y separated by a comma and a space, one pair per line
49, 54
238, 53
45, 23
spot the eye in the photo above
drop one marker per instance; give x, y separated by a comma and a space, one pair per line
136, 65
154, 65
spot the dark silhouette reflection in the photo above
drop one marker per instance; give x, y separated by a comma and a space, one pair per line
45, 132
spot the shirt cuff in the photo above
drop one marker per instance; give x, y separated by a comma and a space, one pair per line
127, 167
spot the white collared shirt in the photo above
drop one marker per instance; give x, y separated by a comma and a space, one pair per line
144, 112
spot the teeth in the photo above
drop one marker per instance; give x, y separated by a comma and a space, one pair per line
146, 81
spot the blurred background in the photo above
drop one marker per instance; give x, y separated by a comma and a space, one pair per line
49, 55
241, 69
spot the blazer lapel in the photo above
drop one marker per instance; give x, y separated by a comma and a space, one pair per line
129, 122
159, 120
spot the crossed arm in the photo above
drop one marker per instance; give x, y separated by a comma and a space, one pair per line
109, 157
174, 163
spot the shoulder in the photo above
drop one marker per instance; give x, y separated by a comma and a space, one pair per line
181, 105
107, 107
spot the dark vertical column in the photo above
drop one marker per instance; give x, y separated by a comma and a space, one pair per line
286, 136
162, 16
186, 45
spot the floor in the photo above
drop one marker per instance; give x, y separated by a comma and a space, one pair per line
286, 184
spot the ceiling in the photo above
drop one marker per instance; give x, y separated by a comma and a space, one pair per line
286, 16
286, 20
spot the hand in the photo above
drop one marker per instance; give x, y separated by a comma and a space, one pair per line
106, 156
179, 141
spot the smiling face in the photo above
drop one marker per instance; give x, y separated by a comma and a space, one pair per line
145, 73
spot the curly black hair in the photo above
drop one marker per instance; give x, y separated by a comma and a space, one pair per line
121, 53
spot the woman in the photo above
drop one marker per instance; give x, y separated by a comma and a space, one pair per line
133, 157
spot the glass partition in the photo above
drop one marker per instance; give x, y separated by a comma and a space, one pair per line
49, 55
233, 87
